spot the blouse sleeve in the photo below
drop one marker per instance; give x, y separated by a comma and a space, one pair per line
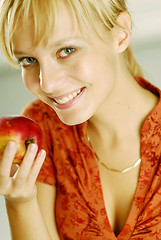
38, 112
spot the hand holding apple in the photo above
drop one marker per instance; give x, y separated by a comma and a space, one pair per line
23, 131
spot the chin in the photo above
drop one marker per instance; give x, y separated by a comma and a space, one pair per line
75, 115
73, 119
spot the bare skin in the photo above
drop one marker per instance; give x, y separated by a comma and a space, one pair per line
117, 107
118, 146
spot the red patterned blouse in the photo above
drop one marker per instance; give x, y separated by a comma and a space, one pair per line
72, 167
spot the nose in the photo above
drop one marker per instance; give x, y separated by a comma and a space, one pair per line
51, 77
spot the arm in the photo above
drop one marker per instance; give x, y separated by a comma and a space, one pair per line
26, 221
46, 195
19, 190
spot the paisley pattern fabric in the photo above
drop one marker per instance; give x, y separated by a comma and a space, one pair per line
72, 167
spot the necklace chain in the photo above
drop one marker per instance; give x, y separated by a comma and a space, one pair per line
113, 169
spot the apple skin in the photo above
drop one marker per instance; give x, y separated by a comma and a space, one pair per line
23, 131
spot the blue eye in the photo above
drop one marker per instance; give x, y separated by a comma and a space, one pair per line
26, 61
65, 52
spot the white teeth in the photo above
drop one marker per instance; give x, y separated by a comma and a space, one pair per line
74, 94
70, 97
60, 101
67, 99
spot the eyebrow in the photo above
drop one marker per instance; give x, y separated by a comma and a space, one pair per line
54, 43
19, 53
65, 40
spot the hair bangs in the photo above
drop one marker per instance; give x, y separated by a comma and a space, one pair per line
44, 16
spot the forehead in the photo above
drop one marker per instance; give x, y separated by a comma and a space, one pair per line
63, 25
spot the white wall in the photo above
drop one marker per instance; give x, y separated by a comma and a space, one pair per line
146, 43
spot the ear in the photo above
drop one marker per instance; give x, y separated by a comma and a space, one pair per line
122, 35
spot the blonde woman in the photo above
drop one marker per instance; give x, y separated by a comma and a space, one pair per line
100, 121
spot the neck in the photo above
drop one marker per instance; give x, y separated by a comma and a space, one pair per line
123, 113
114, 130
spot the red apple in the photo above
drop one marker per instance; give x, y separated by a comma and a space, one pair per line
23, 131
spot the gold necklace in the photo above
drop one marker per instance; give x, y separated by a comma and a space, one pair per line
113, 169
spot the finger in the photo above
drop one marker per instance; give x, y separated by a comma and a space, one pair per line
25, 166
37, 166
29, 156
7, 159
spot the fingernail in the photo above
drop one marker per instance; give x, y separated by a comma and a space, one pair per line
32, 147
42, 153
11, 144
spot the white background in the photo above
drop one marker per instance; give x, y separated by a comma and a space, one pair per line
146, 42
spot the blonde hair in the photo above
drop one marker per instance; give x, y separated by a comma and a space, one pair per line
106, 11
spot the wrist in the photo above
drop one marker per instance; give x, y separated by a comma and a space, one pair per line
21, 200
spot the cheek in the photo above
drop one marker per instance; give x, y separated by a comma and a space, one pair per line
31, 80
95, 67
85, 70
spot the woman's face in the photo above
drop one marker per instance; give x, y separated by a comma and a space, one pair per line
74, 72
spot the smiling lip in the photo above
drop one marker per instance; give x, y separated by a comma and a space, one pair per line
67, 100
